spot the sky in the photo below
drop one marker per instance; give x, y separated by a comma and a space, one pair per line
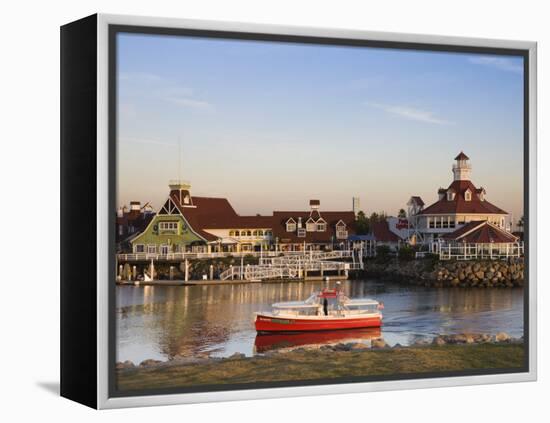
271, 125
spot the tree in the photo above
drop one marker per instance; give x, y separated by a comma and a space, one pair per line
362, 224
521, 223
402, 214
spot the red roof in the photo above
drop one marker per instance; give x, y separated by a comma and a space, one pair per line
381, 232
330, 217
462, 156
481, 232
460, 205
217, 213
417, 200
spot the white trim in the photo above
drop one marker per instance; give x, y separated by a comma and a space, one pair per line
103, 271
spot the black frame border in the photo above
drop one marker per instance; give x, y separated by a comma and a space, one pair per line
114, 29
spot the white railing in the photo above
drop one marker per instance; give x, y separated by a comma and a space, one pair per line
489, 251
316, 255
261, 272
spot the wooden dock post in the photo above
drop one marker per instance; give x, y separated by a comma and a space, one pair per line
186, 270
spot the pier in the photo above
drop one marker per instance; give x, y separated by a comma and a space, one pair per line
272, 265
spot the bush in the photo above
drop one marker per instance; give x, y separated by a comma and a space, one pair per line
383, 254
406, 253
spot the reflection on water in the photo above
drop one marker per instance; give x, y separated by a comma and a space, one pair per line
269, 342
163, 322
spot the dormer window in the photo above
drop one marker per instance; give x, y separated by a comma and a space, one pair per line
321, 225
186, 199
291, 225
450, 195
341, 232
310, 225
468, 195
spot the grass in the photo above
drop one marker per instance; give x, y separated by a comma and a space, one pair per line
311, 365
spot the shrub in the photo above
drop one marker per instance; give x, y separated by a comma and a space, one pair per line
406, 253
383, 254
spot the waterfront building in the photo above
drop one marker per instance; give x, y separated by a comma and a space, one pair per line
312, 229
462, 214
187, 223
457, 205
130, 221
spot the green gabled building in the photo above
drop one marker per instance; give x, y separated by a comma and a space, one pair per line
169, 231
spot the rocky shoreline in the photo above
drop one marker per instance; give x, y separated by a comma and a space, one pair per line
480, 274
445, 353
375, 344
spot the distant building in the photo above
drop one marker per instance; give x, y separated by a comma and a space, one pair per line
130, 221
356, 205
460, 205
313, 229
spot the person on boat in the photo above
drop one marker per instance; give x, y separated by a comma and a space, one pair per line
325, 306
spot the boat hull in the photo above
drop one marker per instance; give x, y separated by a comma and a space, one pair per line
268, 323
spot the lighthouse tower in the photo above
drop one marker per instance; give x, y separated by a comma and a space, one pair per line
462, 168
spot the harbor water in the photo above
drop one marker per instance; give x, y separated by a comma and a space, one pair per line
164, 322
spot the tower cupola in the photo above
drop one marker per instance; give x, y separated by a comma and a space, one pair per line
182, 189
462, 168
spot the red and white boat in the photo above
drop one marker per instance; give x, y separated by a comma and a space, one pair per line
328, 309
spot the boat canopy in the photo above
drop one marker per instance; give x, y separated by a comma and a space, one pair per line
361, 301
295, 304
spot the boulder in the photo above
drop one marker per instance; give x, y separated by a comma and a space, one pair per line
356, 346
378, 343
502, 337
439, 340
236, 356
149, 362
125, 365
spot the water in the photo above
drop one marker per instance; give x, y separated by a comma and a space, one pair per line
162, 322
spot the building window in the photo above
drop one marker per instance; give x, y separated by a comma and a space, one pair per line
164, 249
341, 233
140, 248
468, 195
249, 233
310, 226
321, 227
168, 226
260, 233
152, 249
231, 233
450, 195
301, 233
290, 226
268, 233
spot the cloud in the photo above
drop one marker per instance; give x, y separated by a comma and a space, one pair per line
191, 103
500, 63
410, 113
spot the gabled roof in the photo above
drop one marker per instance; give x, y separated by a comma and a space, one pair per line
217, 213
381, 232
462, 156
480, 232
331, 218
460, 205
416, 199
